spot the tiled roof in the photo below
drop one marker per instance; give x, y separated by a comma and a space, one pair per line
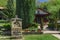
41, 11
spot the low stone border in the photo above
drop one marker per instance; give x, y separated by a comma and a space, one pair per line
26, 33
10, 38
5, 37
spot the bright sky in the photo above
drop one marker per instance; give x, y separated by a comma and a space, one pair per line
42, 0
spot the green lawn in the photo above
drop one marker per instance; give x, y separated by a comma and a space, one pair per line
37, 37
40, 37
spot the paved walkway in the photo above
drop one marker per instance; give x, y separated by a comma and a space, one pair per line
56, 35
51, 32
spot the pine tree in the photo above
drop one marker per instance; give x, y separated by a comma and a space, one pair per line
25, 9
9, 12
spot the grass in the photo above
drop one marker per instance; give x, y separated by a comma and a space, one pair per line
38, 37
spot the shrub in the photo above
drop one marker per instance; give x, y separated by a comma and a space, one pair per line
7, 26
51, 26
6, 30
3, 21
33, 26
58, 27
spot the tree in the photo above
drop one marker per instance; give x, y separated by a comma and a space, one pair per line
9, 11
53, 7
3, 3
25, 10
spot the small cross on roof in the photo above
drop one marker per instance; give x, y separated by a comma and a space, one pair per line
16, 16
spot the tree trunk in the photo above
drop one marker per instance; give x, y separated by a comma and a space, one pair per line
55, 23
42, 23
